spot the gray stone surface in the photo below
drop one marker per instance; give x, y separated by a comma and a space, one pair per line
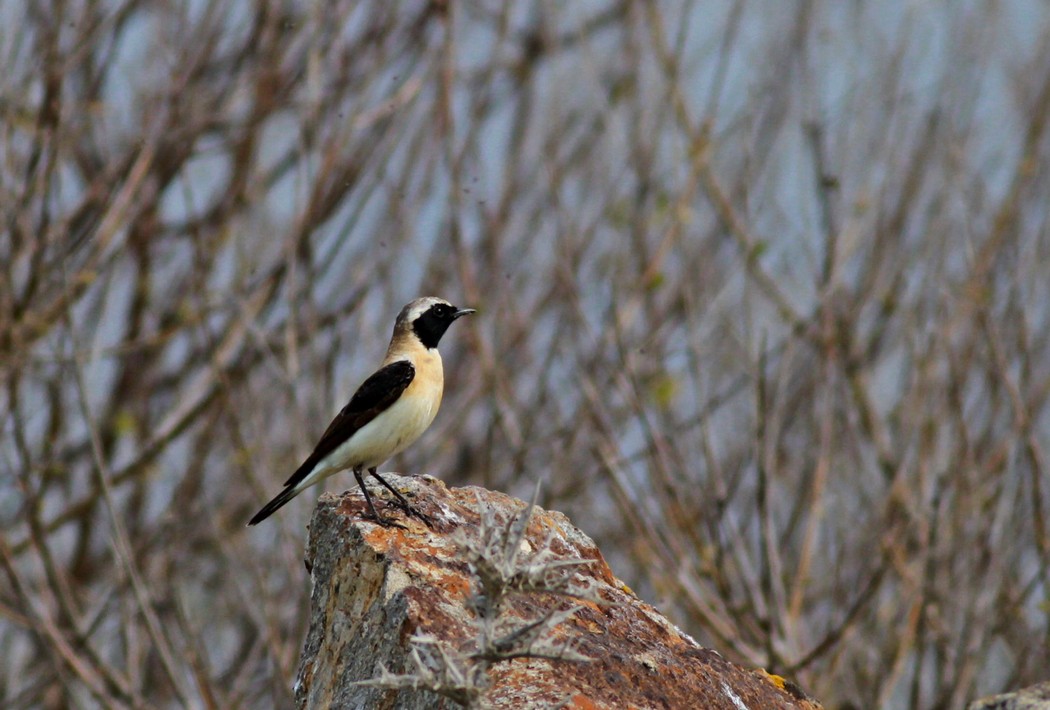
375, 587
1035, 697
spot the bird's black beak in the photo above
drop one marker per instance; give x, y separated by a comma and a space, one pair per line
463, 312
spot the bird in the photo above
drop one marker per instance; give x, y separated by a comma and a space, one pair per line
389, 411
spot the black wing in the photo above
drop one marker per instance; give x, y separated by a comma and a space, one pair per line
372, 398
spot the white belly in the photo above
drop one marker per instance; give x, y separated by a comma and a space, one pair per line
385, 436
388, 434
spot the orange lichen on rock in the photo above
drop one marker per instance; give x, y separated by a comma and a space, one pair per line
374, 588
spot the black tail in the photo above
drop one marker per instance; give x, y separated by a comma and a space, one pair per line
270, 508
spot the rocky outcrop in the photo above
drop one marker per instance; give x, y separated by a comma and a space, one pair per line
494, 607
1036, 697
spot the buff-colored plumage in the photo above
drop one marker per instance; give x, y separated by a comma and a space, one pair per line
390, 410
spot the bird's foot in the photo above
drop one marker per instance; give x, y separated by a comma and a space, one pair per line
372, 512
401, 501
383, 521
410, 510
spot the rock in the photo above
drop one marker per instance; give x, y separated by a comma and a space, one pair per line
1035, 697
381, 595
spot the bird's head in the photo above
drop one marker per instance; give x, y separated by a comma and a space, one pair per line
428, 318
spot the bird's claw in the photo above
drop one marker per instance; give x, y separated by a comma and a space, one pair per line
411, 511
421, 515
383, 521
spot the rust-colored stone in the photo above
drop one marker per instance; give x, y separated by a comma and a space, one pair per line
374, 587
1035, 697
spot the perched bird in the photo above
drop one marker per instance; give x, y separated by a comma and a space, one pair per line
389, 410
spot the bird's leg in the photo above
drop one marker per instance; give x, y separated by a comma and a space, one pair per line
405, 505
368, 499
